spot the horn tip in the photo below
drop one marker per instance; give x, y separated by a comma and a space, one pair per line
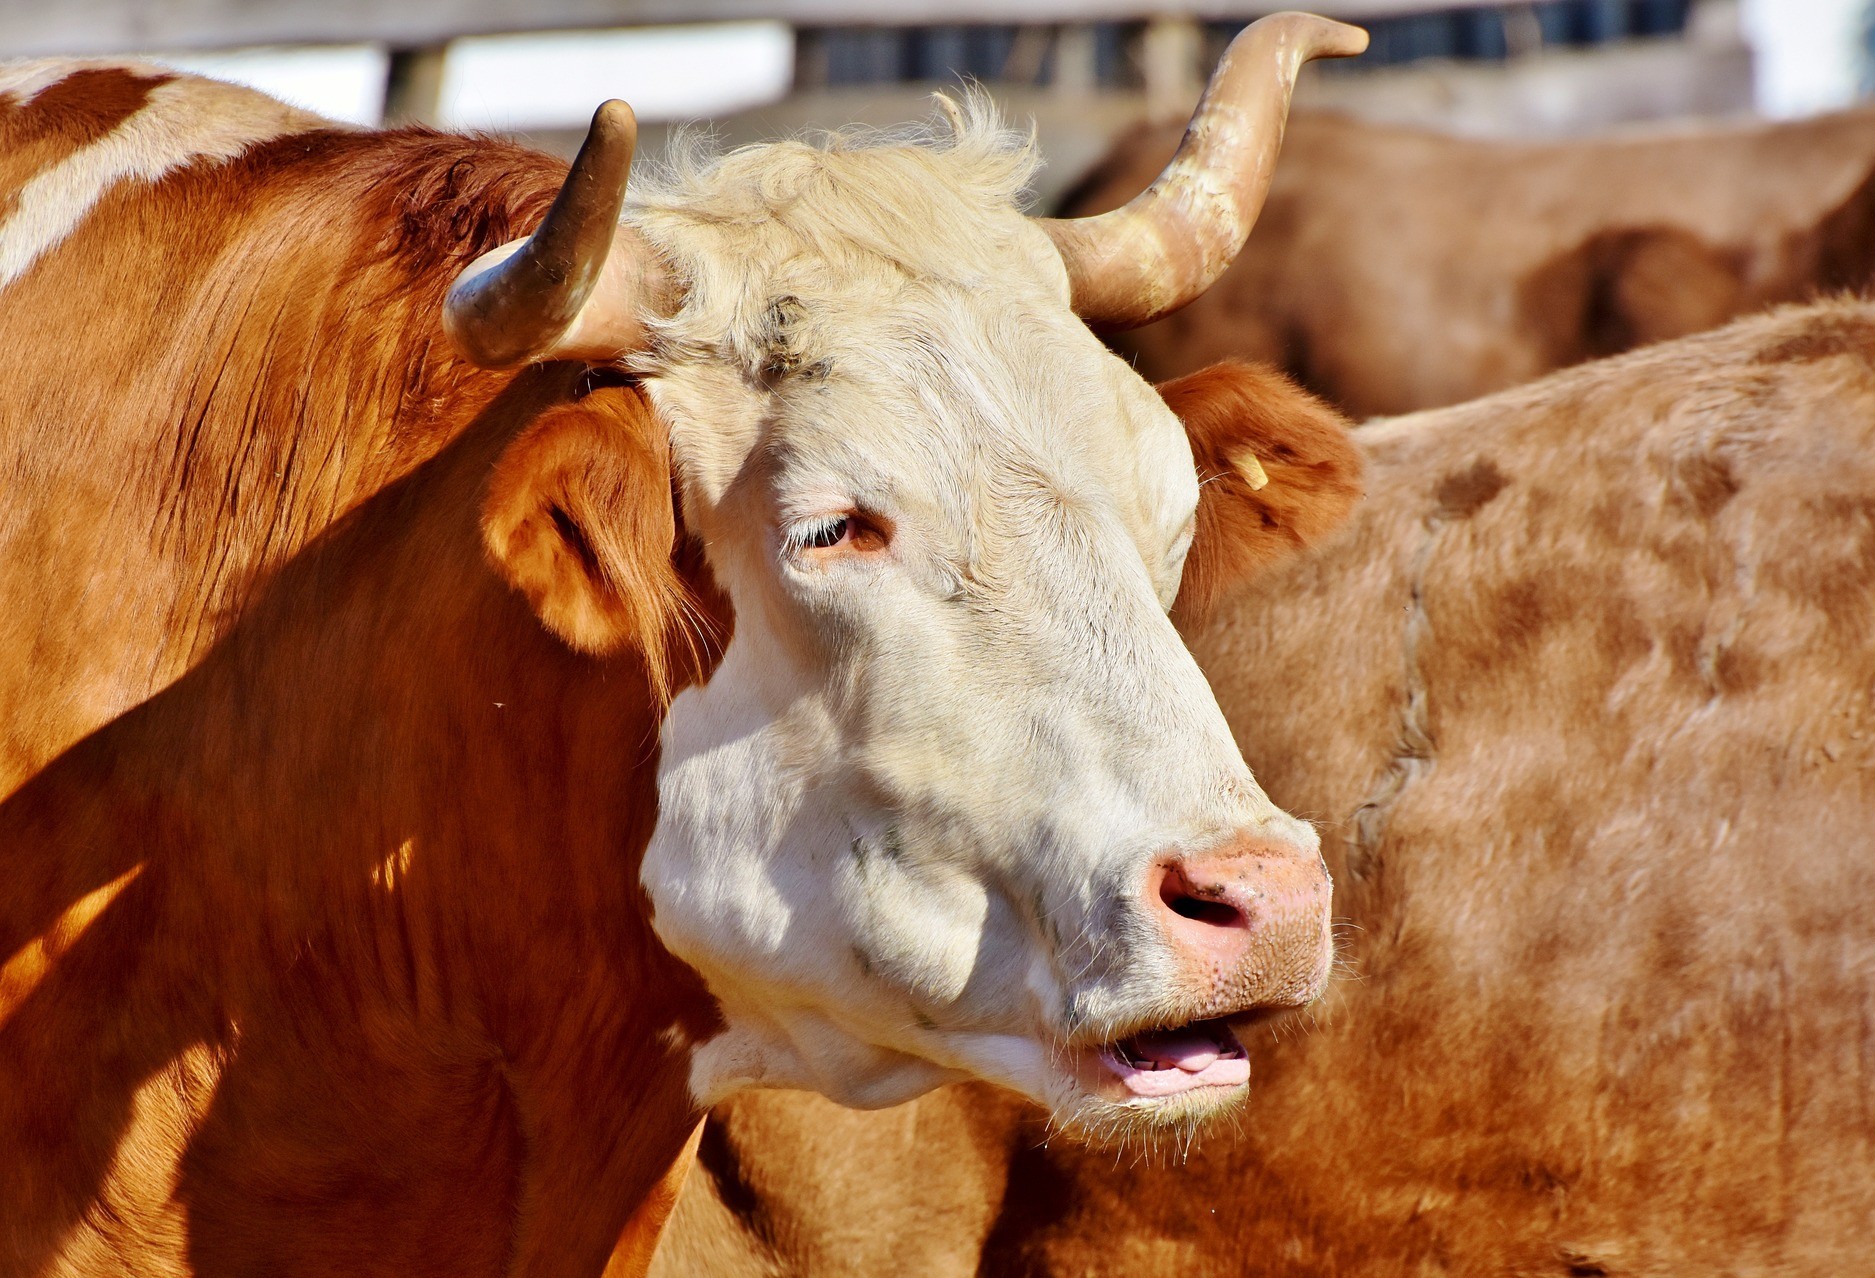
1345, 41
1321, 37
615, 118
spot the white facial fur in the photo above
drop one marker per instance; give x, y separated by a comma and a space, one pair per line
904, 827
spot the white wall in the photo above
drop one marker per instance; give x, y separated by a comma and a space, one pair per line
666, 73
344, 82
1806, 53
535, 81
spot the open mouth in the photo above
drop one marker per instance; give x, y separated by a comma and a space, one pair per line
1172, 1062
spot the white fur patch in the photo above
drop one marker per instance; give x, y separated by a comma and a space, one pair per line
27, 79
185, 120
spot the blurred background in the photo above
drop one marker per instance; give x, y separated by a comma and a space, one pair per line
1082, 70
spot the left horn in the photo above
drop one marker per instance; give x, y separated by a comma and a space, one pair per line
576, 287
1172, 241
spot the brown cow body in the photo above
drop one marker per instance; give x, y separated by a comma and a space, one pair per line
1584, 700
320, 958
1397, 269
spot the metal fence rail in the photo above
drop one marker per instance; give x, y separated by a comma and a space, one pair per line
108, 26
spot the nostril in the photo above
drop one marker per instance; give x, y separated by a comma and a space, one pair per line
1215, 913
1180, 900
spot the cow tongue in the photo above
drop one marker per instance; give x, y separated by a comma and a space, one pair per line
1189, 1049
1165, 1062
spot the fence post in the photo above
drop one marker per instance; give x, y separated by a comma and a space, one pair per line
413, 90
1170, 49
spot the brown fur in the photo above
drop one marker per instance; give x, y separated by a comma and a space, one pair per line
1310, 463
1581, 699
321, 945
1395, 269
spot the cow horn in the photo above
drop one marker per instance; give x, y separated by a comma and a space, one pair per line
568, 291
1172, 241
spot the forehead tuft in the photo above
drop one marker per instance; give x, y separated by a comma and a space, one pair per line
807, 223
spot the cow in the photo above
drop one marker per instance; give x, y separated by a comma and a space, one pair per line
1583, 700
1397, 269
491, 667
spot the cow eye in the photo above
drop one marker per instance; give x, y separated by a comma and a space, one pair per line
823, 533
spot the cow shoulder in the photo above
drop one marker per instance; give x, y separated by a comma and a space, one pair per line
1277, 471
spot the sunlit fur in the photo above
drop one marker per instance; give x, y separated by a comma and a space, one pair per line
321, 943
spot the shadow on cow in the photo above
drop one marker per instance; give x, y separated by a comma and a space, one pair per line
385, 766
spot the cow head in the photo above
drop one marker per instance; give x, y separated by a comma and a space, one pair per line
956, 801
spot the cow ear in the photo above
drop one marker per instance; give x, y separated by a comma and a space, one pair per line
579, 517
1277, 471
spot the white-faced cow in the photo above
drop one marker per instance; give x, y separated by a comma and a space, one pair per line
353, 920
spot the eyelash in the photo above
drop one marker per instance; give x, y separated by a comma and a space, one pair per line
825, 533
852, 532
821, 534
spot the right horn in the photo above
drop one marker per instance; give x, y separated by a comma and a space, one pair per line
1171, 241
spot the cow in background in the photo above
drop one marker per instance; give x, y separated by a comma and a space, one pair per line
1397, 269
488, 669
1583, 702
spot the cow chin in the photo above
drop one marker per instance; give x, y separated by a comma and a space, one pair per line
1087, 1098
1168, 1125
763, 1045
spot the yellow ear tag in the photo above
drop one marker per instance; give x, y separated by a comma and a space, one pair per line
1250, 468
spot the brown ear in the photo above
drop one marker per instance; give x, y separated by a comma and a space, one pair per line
1277, 470
579, 518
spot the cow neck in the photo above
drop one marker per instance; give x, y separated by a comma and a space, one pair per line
370, 877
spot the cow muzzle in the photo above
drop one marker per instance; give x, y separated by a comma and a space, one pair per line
1246, 926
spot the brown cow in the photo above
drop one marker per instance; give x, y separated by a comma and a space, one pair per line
1584, 700
1397, 269
467, 702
